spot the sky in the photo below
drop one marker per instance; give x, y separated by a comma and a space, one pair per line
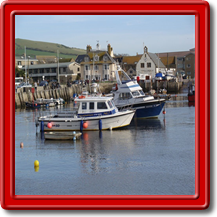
126, 33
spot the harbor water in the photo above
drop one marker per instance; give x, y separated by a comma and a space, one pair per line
148, 157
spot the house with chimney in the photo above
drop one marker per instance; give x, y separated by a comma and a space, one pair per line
97, 64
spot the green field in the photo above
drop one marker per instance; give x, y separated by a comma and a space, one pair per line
34, 48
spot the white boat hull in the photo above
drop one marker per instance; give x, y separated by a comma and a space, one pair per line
116, 120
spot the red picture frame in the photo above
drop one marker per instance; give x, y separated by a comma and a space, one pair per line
201, 11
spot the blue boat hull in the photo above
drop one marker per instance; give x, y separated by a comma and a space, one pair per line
36, 105
149, 111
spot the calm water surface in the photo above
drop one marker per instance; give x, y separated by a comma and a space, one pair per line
149, 157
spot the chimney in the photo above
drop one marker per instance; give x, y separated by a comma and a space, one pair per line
88, 48
110, 50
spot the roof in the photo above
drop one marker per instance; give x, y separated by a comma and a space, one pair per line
80, 58
177, 53
156, 60
101, 54
18, 58
131, 60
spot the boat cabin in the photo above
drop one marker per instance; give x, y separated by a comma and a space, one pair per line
95, 106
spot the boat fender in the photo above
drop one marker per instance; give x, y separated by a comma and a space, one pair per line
49, 125
85, 125
42, 126
81, 125
100, 124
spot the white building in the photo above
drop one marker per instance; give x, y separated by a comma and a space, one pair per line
149, 64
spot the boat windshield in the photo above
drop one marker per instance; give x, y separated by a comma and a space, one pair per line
136, 93
110, 104
142, 93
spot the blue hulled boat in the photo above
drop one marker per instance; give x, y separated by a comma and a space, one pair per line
129, 93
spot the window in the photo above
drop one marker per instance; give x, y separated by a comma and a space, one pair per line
124, 96
87, 67
110, 104
86, 59
84, 105
101, 105
96, 67
91, 105
19, 63
131, 71
53, 70
106, 67
105, 58
47, 70
41, 70
142, 65
30, 71
189, 66
87, 77
64, 69
135, 93
188, 73
148, 65
141, 92
106, 77
32, 63
35, 71
78, 69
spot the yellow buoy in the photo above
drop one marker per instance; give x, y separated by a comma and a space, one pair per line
36, 163
21, 145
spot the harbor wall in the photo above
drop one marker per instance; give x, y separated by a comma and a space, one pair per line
25, 95
170, 86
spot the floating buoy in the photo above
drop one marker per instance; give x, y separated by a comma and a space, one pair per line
36, 104
164, 112
36, 163
21, 145
74, 138
85, 125
74, 132
49, 125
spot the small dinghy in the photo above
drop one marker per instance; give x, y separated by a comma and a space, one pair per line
62, 135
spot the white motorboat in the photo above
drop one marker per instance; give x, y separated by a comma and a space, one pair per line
51, 102
94, 113
129, 93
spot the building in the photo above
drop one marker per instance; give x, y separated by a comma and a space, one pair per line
20, 61
145, 64
67, 71
129, 64
149, 64
97, 64
180, 62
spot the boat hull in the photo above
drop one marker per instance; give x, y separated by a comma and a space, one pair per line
191, 97
61, 136
36, 105
117, 120
148, 110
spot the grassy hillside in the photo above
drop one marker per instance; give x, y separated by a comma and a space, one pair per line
45, 49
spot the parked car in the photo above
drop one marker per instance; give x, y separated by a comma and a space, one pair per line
23, 84
43, 83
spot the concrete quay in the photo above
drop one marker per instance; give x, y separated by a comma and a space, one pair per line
24, 95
